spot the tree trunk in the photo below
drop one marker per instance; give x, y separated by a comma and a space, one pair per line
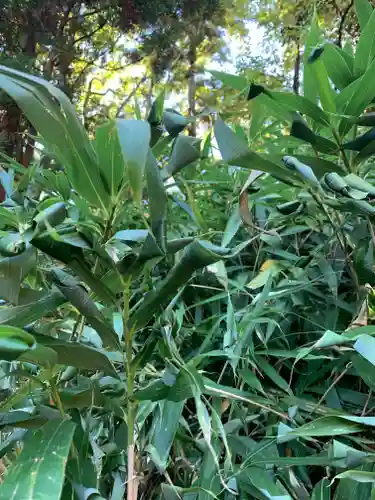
297, 69
192, 87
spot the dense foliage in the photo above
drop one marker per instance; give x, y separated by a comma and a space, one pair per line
187, 313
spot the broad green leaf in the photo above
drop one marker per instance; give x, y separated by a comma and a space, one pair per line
355, 98
185, 151
235, 151
50, 217
365, 346
232, 227
39, 471
338, 67
164, 428
14, 342
72, 255
312, 41
305, 171
365, 50
322, 490
110, 159
301, 131
53, 116
78, 296
325, 90
196, 255
234, 81
134, 136
174, 122
78, 355
363, 9
365, 370
13, 271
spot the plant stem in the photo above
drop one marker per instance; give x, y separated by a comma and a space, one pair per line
132, 486
342, 152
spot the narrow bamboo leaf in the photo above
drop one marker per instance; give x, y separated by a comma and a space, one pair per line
164, 428
364, 10
365, 50
78, 296
134, 136
157, 200
365, 370
366, 120
39, 471
232, 227
234, 81
357, 475
110, 159
324, 426
185, 151
273, 375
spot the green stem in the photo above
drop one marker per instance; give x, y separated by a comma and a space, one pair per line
131, 406
347, 165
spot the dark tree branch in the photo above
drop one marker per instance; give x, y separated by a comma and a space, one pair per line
342, 23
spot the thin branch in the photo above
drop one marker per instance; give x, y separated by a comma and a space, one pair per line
130, 96
342, 23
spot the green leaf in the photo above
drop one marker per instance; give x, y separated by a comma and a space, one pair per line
52, 114
157, 199
196, 255
234, 81
72, 255
338, 65
355, 98
365, 50
134, 136
13, 271
30, 312
164, 428
313, 38
301, 131
185, 151
51, 217
272, 374
325, 90
77, 355
364, 10
365, 346
365, 370
357, 475
39, 471
235, 151
305, 171
322, 490
174, 122
108, 150
324, 426
14, 342
366, 120
78, 296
